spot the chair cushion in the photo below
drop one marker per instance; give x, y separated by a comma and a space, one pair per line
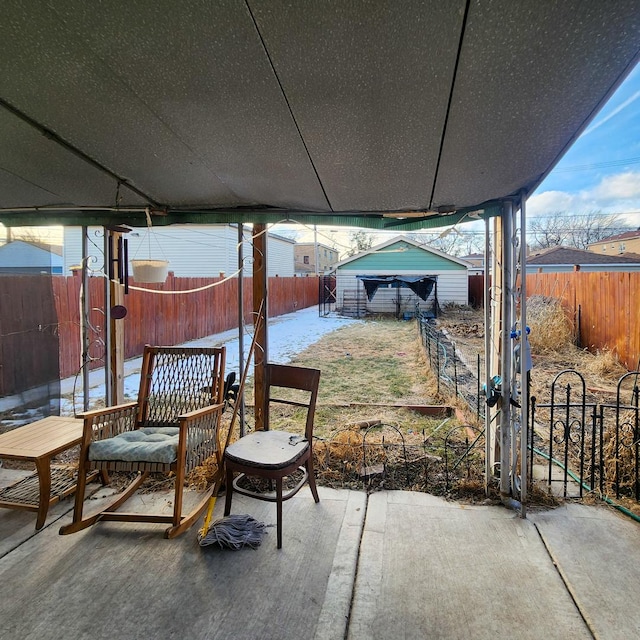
149, 444
267, 449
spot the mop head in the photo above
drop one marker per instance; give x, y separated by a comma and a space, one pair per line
234, 532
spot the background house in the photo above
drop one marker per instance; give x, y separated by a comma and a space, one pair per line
559, 259
305, 258
21, 257
476, 262
403, 258
192, 250
627, 242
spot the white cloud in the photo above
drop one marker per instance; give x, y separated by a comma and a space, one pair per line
617, 193
624, 186
550, 202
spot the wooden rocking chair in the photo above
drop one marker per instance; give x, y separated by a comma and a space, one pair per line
173, 427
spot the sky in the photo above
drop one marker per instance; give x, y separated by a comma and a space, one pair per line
601, 171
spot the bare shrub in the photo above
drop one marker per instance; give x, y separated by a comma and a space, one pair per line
605, 365
551, 329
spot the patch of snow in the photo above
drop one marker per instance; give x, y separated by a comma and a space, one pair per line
288, 335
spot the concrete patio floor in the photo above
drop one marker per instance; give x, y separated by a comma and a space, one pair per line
390, 565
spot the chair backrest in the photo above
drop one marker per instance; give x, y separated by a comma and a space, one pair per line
302, 379
176, 380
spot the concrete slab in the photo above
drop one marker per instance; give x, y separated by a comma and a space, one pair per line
541, 474
434, 569
597, 551
122, 580
417, 567
17, 525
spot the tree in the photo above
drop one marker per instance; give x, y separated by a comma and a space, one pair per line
359, 241
454, 241
572, 230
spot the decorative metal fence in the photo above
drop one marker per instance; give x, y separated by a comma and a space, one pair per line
594, 444
456, 374
584, 443
381, 456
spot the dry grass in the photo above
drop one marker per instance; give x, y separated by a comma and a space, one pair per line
551, 330
376, 361
366, 368
366, 364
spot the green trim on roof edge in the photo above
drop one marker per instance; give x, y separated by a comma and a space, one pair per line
370, 220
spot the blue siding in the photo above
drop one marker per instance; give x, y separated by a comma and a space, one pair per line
409, 258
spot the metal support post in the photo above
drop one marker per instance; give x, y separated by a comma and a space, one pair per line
84, 305
488, 413
241, 362
524, 373
505, 352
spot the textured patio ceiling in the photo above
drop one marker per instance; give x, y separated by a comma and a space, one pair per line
328, 111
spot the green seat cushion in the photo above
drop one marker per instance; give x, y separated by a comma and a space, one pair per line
149, 444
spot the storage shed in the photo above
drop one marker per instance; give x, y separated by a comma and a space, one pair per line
395, 276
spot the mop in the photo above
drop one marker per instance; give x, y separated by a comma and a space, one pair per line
233, 531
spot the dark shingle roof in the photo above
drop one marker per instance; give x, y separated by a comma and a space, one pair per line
566, 255
620, 236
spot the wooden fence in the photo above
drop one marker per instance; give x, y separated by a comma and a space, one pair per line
29, 336
40, 335
604, 305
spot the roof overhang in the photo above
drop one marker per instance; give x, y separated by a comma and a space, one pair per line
381, 115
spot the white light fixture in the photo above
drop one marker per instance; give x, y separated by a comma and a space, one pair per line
402, 215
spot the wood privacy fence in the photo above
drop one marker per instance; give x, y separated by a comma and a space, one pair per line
605, 307
40, 336
29, 336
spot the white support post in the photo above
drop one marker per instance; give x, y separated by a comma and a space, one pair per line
84, 315
524, 372
241, 362
505, 352
489, 450
107, 319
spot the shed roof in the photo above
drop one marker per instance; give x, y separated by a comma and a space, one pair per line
386, 247
375, 114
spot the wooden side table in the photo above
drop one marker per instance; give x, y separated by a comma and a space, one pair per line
38, 442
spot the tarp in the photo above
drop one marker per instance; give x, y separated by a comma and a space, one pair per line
420, 285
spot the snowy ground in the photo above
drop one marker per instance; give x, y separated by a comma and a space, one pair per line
288, 335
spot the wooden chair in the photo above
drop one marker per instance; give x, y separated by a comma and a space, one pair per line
275, 454
172, 427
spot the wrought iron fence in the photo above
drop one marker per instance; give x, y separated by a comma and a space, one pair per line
381, 456
594, 444
585, 444
456, 374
